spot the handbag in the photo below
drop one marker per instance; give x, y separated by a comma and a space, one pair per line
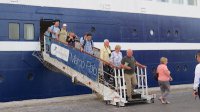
156, 76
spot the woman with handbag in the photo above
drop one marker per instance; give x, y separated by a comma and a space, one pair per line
164, 79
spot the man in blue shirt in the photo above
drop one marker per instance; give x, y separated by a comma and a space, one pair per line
87, 44
54, 30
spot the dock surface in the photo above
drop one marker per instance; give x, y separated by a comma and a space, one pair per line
181, 101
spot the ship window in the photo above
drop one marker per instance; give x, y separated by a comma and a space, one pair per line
178, 68
192, 2
176, 33
1, 79
93, 29
30, 76
134, 32
168, 33
151, 32
163, 0
14, 31
177, 1
28, 31
185, 68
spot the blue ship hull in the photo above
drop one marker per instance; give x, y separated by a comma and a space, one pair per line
22, 76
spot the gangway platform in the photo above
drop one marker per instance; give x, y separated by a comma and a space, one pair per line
87, 69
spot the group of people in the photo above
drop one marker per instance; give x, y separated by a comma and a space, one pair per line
115, 59
61, 34
70, 38
128, 63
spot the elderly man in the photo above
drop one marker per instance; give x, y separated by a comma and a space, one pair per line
54, 30
129, 64
105, 53
63, 33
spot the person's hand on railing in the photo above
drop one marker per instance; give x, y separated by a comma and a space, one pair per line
111, 65
126, 67
143, 66
140, 65
81, 49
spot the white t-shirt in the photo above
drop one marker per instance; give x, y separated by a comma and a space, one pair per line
197, 77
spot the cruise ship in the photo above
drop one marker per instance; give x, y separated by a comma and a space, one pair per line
152, 28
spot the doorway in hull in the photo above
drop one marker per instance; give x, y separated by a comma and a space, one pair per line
44, 25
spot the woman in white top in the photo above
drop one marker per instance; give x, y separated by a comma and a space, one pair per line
116, 56
196, 86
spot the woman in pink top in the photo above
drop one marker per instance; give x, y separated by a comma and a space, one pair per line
163, 79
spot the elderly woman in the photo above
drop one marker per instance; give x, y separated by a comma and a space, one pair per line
163, 79
116, 56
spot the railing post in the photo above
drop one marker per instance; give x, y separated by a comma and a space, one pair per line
120, 85
44, 44
124, 86
145, 70
116, 81
138, 77
142, 78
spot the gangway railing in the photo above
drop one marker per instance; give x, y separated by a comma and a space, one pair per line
88, 70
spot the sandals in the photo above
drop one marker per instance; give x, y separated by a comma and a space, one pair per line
167, 102
162, 100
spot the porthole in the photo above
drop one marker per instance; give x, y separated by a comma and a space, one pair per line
1, 78
93, 29
168, 33
185, 68
30, 76
151, 32
178, 68
176, 33
134, 32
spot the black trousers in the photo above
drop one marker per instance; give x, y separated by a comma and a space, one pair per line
107, 72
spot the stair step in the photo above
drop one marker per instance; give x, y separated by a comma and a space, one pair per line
137, 100
135, 96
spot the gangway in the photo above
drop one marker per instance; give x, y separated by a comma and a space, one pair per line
87, 69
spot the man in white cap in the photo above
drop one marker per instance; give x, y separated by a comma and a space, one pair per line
63, 33
54, 30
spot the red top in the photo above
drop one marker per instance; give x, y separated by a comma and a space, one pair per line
163, 73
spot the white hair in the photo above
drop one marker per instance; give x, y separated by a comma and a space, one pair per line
106, 40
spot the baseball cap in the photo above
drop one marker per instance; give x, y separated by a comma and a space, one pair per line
64, 24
